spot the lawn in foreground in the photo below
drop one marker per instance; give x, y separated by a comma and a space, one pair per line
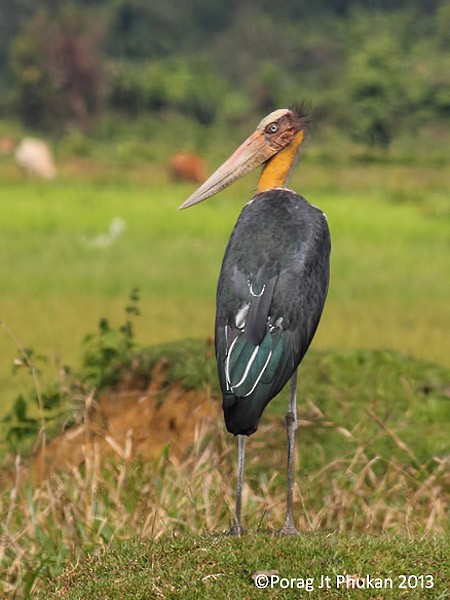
222, 567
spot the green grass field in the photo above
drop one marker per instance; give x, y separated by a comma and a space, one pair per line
389, 284
218, 567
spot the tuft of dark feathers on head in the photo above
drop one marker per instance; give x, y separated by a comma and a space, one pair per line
303, 112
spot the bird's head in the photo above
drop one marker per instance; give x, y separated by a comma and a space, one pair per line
274, 143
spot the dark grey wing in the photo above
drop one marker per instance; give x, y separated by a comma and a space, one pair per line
270, 298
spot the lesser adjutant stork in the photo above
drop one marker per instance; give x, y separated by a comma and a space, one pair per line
272, 286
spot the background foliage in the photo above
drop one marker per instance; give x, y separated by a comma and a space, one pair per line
372, 69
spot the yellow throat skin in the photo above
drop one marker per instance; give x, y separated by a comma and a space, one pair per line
276, 171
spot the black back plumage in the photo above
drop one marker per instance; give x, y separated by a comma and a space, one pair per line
270, 297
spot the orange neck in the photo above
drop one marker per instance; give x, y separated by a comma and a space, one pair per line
277, 169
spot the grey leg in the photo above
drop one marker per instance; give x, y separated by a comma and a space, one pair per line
291, 425
237, 527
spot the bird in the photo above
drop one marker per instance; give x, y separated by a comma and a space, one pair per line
272, 287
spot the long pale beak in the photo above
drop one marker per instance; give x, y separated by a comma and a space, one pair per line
252, 153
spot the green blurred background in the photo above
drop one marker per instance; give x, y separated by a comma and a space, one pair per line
377, 71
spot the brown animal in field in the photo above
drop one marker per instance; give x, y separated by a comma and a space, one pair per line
187, 167
6, 145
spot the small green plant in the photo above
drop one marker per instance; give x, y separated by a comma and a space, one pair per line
109, 346
19, 426
33, 412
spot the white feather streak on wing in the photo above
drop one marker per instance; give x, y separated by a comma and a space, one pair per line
227, 363
260, 375
247, 368
241, 315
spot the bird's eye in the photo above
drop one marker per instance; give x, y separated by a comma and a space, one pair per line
272, 128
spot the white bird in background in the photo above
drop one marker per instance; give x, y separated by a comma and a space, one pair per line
103, 240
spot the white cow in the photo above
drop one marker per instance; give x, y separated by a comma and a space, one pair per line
34, 157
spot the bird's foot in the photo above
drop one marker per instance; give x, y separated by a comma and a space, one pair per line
237, 530
288, 527
288, 530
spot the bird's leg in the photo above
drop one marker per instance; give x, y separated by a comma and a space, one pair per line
237, 527
291, 425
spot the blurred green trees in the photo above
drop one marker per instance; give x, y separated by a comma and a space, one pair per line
56, 69
398, 73
373, 72
190, 87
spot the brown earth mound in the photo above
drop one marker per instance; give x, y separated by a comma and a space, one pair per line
130, 422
